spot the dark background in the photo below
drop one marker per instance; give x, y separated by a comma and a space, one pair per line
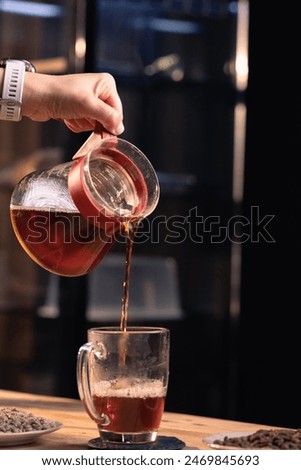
269, 333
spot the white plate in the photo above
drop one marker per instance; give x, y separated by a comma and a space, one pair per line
19, 438
209, 440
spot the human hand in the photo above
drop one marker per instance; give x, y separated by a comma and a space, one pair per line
80, 100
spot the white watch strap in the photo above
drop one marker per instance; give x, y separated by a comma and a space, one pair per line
12, 91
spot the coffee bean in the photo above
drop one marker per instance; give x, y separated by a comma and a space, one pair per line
15, 420
268, 439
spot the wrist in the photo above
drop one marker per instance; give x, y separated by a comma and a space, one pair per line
37, 96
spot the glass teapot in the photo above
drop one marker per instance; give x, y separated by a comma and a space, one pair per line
66, 217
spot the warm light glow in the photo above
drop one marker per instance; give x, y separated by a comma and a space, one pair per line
241, 74
162, 64
240, 116
80, 48
235, 280
241, 61
242, 70
177, 75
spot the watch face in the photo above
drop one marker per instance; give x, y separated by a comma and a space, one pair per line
29, 67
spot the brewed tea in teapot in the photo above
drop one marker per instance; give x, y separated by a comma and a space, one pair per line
67, 217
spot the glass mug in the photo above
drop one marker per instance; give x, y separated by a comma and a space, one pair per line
66, 217
122, 379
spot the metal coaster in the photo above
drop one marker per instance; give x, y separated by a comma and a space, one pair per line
162, 443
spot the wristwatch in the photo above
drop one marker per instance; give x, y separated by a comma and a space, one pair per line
12, 89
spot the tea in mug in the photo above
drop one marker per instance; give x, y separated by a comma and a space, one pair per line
133, 409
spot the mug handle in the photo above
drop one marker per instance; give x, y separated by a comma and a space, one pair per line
82, 375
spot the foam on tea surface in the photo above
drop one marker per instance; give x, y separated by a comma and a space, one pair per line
130, 387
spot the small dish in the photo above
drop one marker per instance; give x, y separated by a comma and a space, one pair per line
210, 440
19, 438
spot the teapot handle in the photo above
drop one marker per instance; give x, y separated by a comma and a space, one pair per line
99, 134
91, 142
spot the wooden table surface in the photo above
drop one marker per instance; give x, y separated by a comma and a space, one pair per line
78, 428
